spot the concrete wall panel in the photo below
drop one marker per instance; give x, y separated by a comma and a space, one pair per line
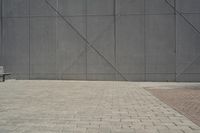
100, 7
78, 22
96, 65
194, 67
188, 77
71, 56
131, 77
100, 34
72, 7
130, 44
187, 44
101, 77
43, 48
158, 7
1, 8
41, 8
166, 77
160, 44
125, 7
15, 8
16, 47
188, 6
194, 19
145, 41
1, 50
187, 50
80, 76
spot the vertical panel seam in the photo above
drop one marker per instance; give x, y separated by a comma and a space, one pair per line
175, 28
145, 60
29, 43
86, 47
56, 43
1, 54
115, 36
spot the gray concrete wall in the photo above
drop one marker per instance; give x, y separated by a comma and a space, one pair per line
0, 46
135, 40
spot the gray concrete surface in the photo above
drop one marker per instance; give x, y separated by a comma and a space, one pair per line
88, 107
145, 40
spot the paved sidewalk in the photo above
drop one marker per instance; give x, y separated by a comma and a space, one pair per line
86, 107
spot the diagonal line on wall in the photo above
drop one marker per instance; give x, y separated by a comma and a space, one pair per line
194, 28
188, 66
93, 43
98, 37
179, 13
84, 39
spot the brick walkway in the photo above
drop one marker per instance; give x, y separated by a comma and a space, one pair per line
85, 107
184, 100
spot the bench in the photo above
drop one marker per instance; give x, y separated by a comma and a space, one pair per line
3, 74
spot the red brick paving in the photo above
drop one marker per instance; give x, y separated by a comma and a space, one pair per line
185, 101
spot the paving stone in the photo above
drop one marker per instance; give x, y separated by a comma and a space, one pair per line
86, 107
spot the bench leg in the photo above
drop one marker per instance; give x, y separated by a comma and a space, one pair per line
3, 78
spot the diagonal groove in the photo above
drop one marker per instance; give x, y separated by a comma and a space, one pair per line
84, 39
194, 28
93, 43
188, 66
179, 13
98, 37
